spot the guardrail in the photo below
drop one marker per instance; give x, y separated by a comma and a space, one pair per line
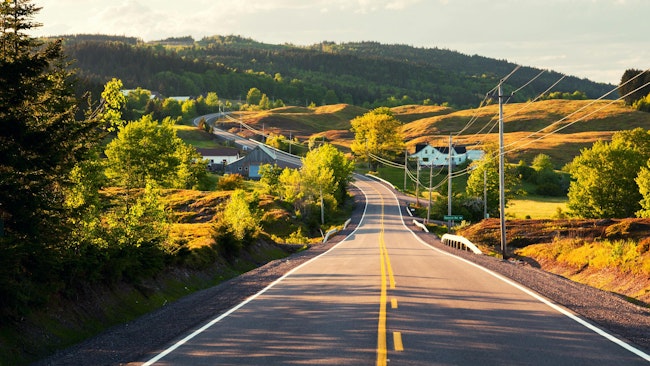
335, 230
420, 225
459, 242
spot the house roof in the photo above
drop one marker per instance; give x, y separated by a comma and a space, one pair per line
419, 147
441, 149
218, 151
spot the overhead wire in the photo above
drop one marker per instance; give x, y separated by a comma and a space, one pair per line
526, 143
573, 122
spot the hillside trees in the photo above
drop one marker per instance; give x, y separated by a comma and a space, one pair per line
377, 133
41, 142
321, 181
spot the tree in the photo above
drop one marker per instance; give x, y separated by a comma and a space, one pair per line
291, 186
330, 97
136, 103
113, 103
631, 80
642, 104
327, 156
270, 177
254, 96
604, 183
377, 133
264, 102
137, 235
188, 108
236, 225
145, 150
643, 181
41, 141
542, 162
637, 139
488, 168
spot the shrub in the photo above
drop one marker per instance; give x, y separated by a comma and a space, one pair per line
231, 182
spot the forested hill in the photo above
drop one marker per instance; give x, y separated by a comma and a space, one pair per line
363, 73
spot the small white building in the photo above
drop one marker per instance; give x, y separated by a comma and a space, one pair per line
439, 156
219, 157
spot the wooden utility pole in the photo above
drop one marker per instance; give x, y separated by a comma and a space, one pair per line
449, 168
502, 198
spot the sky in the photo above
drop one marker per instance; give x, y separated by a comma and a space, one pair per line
593, 39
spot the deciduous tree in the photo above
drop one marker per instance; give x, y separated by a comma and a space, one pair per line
377, 133
604, 183
145, 150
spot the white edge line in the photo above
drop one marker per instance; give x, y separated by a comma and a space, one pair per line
253, 297
551, 304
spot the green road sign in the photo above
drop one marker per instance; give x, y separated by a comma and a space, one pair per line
453, 217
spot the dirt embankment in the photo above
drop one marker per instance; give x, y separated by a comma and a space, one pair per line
633, 283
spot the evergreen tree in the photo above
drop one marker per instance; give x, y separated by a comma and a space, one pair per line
40, 143
631, 87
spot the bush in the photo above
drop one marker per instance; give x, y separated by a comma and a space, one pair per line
227, 244
231, 182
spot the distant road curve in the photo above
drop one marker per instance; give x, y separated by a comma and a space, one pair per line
244, 143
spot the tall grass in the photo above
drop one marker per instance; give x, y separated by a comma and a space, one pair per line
624, 255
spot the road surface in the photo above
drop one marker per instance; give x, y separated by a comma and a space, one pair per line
383, 297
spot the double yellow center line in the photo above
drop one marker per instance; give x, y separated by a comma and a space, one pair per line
386, 269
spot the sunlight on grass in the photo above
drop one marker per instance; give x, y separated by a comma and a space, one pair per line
536, 207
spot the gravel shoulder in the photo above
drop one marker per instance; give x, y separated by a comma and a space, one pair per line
124, 344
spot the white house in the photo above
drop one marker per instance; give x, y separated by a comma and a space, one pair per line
219, 157
439, 156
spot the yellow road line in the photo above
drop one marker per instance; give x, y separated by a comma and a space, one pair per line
386, 268
381, 327
397, 341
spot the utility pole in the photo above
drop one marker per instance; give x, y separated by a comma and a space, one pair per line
430, 179
289, 142
417, 185
502, 199
449, 168
406, 154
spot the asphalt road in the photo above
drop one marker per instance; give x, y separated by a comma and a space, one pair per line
384, 297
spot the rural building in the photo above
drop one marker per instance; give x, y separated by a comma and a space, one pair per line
439, 156
219, 157
249, 165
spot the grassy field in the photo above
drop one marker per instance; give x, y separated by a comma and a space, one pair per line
195, 137
535, 207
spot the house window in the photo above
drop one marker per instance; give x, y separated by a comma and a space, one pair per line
425, 159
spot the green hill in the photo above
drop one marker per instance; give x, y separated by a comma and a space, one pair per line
365, 74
